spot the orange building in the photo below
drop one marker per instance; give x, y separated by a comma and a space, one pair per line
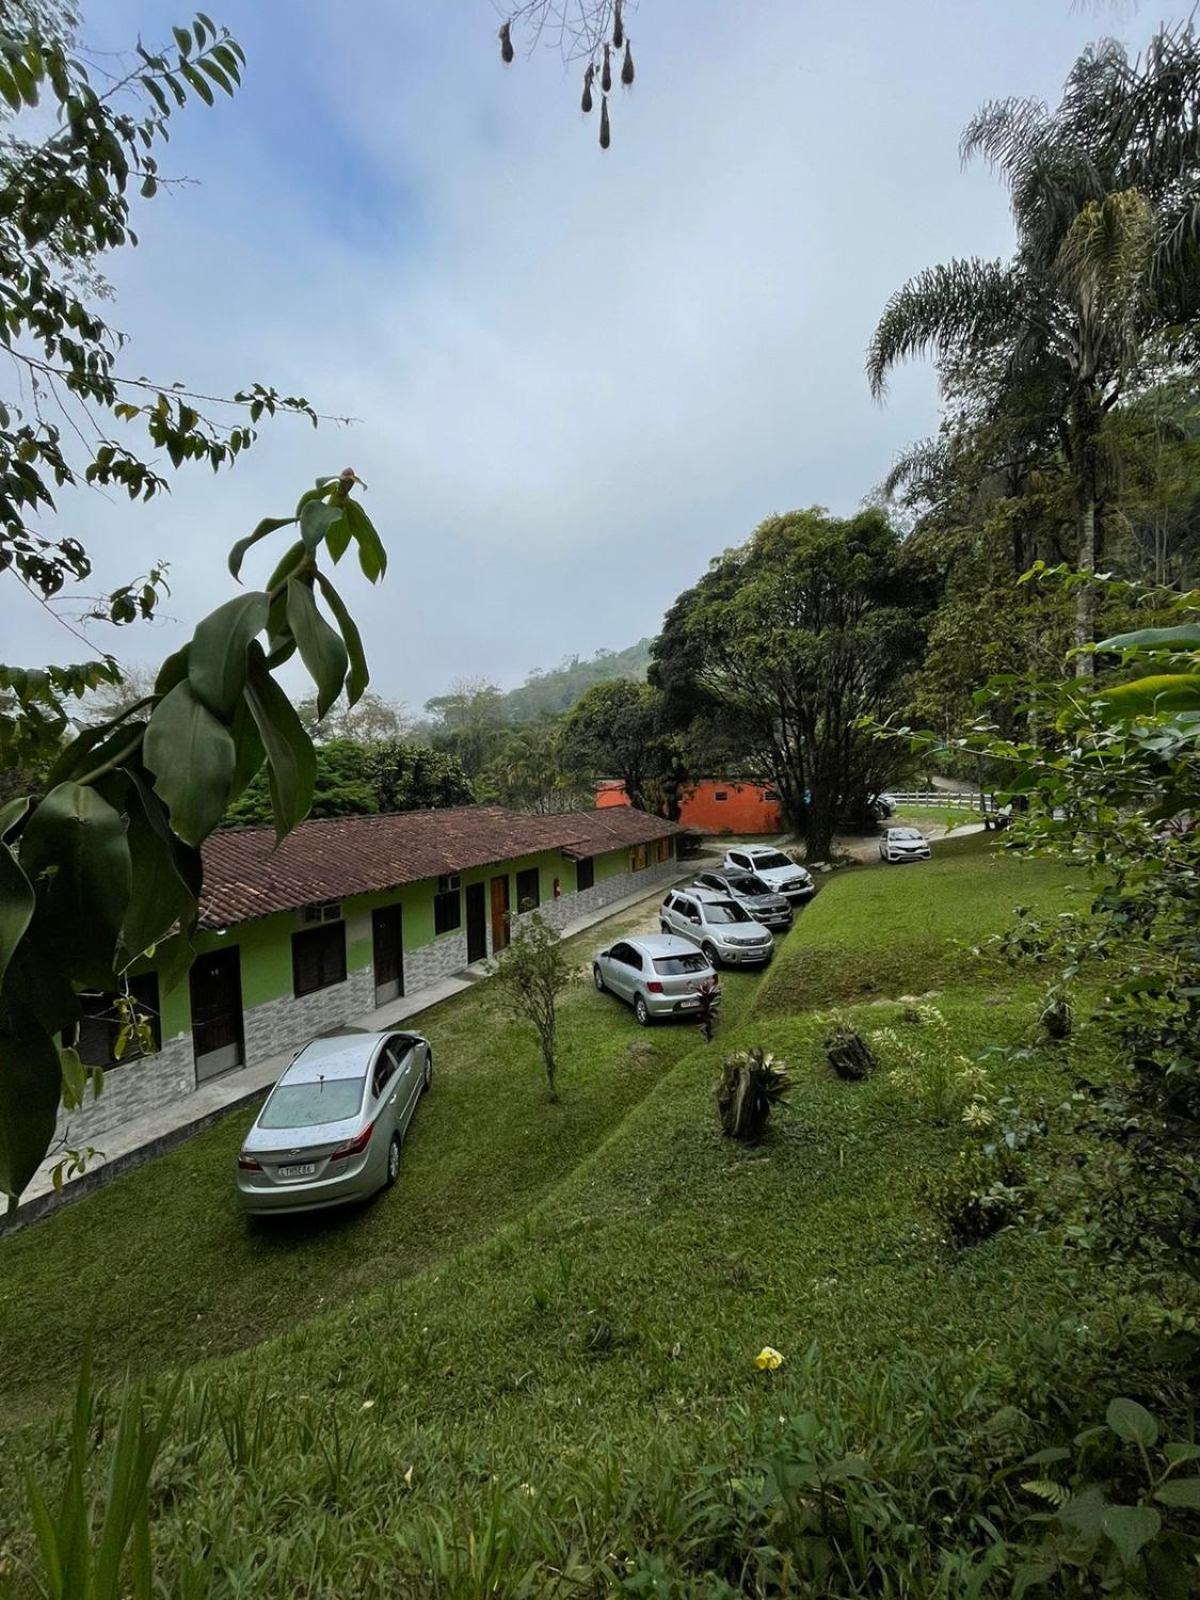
714, 805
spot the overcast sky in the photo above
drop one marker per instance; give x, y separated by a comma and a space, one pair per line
578, 375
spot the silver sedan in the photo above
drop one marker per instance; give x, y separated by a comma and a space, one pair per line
332, 1128
658, 974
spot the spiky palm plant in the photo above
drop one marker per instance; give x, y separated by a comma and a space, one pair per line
1105, 194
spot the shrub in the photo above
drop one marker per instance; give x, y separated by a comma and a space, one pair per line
751, 1083
848, 1053
941, 1081
979, 1194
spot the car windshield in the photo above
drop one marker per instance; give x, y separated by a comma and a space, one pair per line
771, 861
725, 911
676, 966
907, 833
306, 1105
749, 885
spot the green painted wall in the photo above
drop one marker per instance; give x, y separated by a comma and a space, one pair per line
266, 944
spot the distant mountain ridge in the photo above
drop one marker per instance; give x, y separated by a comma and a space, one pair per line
552, 692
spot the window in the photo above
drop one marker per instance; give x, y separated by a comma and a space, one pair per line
102, 1020
318, 958
722, 911
688, 909
324, 911
739, 860
385, 1069
529, 889
585, 873
447, 904
637, 858
626, 955
771, 795
307, 1105
721, 794
665, 847
678, 966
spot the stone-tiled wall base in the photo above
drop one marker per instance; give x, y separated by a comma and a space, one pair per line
570, 906
433, 962
282, 1024
130, 1089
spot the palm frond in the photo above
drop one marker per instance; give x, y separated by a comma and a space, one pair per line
958, 309
915, 470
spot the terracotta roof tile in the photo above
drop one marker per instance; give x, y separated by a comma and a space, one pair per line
246, 876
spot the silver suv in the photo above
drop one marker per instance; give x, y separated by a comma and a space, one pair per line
767, 906
724, 930
659, 977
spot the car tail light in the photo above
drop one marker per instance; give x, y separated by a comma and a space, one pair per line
654, 986
355, 1146
248, 1163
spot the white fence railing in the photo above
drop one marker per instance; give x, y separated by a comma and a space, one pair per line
947, 799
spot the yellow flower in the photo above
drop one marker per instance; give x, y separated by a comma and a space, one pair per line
768, 1360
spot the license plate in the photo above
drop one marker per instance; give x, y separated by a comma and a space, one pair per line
302, 1169
690, 1002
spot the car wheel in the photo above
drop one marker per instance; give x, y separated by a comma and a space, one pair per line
393, 1166
427, 1083
663, 927
642, 1012
709, 952
597, 980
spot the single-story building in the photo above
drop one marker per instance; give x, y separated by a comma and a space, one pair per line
714, 805
350, 914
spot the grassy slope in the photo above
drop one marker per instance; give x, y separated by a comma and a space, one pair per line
160, 1269
908, 929
554, 1379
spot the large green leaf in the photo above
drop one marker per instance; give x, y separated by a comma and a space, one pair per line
192, 756
173, 670
1130, 1528
249, 747
1164, 694
316, 521
359, 677
267, 526
291, 760
1186, 636
217, 660
160, 899
372, 557
75, 853
1181, 1492
17, 901
30, 1082
321, 649
1131, 1422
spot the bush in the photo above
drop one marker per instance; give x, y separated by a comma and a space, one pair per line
978, 1195
751, 1083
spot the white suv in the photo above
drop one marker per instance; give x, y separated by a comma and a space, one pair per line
724, 930
775, 870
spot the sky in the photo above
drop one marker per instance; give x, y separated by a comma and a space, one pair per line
577, 375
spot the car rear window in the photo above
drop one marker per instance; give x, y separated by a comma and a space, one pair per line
772, 861
307, 1105
677, 966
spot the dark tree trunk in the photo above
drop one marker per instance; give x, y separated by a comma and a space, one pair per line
1087, 456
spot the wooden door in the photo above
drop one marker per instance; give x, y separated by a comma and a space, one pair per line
387, 938
500, 913
216, 985
476, 922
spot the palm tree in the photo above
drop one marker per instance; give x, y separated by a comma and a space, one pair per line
1105, 194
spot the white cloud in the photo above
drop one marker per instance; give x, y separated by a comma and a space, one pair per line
580, 375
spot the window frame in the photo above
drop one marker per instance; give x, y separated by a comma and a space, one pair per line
312, 936
447, 904
148, 1002
528, 902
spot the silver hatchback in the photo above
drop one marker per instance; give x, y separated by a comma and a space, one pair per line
332, 1127
659, 976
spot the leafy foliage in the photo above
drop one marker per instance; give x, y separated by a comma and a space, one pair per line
812, 624
104, 868
529, 977
751, 1085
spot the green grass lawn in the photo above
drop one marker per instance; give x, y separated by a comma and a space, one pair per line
908, 929
160, 1269
530, 1369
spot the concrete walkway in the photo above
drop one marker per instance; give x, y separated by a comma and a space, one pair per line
141, 1138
